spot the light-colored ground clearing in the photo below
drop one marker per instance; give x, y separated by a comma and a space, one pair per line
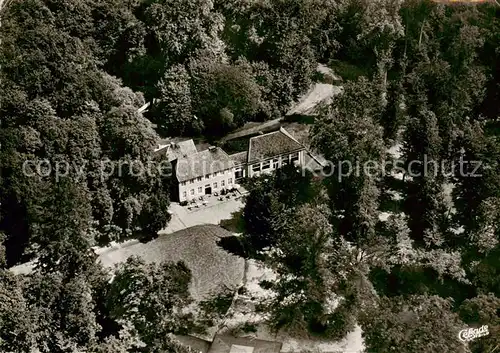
243, 312
182, 218
212, 267
319, 93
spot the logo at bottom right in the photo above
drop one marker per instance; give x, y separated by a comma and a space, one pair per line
470, 334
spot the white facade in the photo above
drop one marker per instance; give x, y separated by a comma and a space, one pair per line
271, 164
208, 184
265, 154
216, 182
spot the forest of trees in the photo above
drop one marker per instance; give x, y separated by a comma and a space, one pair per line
73, 74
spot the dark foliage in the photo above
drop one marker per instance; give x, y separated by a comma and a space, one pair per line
420, 75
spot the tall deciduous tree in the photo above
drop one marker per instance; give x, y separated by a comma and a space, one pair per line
381, 28
479, 311
148, 300
17, 324
350, 138
476, 196
421, 150
224, 95
174, 113
414, 324
65, 111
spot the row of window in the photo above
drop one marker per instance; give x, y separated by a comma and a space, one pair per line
255, 168
215, 186
206, 177
275, 163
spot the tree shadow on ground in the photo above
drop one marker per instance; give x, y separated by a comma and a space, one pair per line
213, 309
235, 245
235, 224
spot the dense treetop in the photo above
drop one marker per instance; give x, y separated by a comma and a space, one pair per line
417, 74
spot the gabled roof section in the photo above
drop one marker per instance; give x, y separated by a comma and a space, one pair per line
202, 163
272, 144
175, 150
239, 158
312, 162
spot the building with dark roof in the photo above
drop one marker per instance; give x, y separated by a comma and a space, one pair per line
267, 152
213, 170
271, 151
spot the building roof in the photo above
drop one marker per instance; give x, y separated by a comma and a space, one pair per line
272, 144
239, 158
312, 162
175, 150
229, 344
196, 344
202, 163
252, 128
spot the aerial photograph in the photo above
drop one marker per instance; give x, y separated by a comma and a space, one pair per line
249, 176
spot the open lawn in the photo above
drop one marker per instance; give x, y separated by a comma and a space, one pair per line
212, 267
